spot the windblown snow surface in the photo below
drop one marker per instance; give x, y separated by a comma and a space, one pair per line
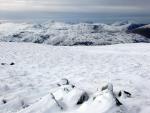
30, 77
59, 33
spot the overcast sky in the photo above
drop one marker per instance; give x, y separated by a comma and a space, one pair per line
76, 5
75, 9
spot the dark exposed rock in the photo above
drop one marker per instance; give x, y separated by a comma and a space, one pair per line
126, 93
94, 98
17, 36
4, 101
65, 81
3, 63
44, 37
142, 31
59, 105
23, 104
66, 89
87, 43
95, 27
108, 86
119, 94
84, 97
134, 26
37, 26
73, 86
118, 103
12, 63
22, 32
58, 85
58, 43
39, 41
104, 88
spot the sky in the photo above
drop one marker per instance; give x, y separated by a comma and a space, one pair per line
43, 8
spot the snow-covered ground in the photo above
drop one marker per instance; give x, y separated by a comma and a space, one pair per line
30, 73
59, 33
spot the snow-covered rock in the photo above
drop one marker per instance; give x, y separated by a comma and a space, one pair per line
62, 99
78, 100
104, 102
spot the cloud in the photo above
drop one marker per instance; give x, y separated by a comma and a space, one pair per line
76, 5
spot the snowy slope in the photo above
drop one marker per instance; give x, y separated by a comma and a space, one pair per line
58, 33
29, 72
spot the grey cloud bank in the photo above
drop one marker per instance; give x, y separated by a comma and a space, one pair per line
47, 8
75, 6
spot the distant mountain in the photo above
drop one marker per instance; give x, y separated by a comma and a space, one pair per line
65, 34
144, 31
134, 26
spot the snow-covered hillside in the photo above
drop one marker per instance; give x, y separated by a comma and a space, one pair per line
144, 31
146, 26
58, 33
30, 75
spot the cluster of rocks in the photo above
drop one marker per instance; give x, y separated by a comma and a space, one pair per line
79, 96
67, 96
12, 63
